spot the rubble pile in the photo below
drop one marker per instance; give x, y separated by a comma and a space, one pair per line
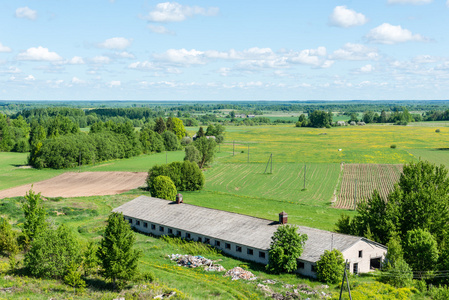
191, 261
239, 273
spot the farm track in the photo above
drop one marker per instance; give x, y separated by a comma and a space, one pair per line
360, 180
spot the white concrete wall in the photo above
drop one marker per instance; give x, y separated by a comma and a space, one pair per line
194, 236
369, 250
307, 270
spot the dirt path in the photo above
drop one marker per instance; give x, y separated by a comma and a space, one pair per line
82, 184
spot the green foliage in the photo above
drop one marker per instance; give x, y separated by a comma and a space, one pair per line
164, 188
151, 141
200, 132
52, 252
117, 257
178, 128
377, 290
421, 250
186, 176
73, 277
190, 247
331, 266
8, 242
217, 131
192, 154
393, 146
34, 215
319, 119
286, 246
206, 147
160, 126
439, 293
395, 270
90, 259
171, 142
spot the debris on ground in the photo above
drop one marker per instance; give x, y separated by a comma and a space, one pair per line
165, 296
265, 288
289, 286
191, 261
270, 281
239, 273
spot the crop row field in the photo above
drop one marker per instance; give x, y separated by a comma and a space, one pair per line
285, 183
358, 182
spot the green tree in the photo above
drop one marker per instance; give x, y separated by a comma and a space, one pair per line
90, 259
206, 147
421, 250
160, 126
52, 252
319, 119
395, 271
117, 257
192, 154
286, 246
330, 266
178, 128
34, 215
8, 242
200, 132
170, 125
73, 278
164, 188
171, 142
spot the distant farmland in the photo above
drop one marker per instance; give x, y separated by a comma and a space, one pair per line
358, 182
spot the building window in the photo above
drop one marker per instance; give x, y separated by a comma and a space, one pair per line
187, 235
313, 268
249, 251
130, 221
360, 253
138, 223
261, 254
161, 229
300, 265
178, 233
153, 227
170, 231
145, 224
238, 248
227, 246
200, 239
217, 243
207, 241
355, 268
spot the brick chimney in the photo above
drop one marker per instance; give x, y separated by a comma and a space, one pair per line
179, 199
283, 218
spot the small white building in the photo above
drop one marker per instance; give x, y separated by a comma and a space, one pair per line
244, 236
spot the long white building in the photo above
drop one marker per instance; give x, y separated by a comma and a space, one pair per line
244, 236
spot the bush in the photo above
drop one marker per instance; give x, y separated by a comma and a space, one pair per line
186, 175
393, 146
330, 266
171, 142
164, 188
437, 130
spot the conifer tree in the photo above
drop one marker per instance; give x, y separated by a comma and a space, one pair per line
34, 215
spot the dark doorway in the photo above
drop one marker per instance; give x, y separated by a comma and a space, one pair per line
375, 263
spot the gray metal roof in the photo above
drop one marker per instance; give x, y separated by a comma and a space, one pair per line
232, 227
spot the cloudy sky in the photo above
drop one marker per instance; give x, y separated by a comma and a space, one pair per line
224, 50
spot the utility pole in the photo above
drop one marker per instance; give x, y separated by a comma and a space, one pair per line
271, 168
305, 170
248, 153
355, 195
345, 276
80, 162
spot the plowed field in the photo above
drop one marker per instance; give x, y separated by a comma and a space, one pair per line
82, 184
360, 180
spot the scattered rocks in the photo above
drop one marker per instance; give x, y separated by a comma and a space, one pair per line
270, 281
265, 288
165, 296
196, 261
288, 286
239, 273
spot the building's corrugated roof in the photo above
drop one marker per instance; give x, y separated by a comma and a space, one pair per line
236, 228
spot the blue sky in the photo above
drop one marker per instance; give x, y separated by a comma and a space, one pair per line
224, 50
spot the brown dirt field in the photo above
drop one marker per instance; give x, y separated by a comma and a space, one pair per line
82, 184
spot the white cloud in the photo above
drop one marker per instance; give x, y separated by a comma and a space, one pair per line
76, 60
76, 80
175, 12
313, 57
4, 48
38, 54
344, 17
367, 68
118, 43
447, 3
415, 2
101, 60
114, 83
12, 70
183, 56
124, 54
355, 52
30, 78
144, 65
224, 71
160, 29
26, 12
390, 34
